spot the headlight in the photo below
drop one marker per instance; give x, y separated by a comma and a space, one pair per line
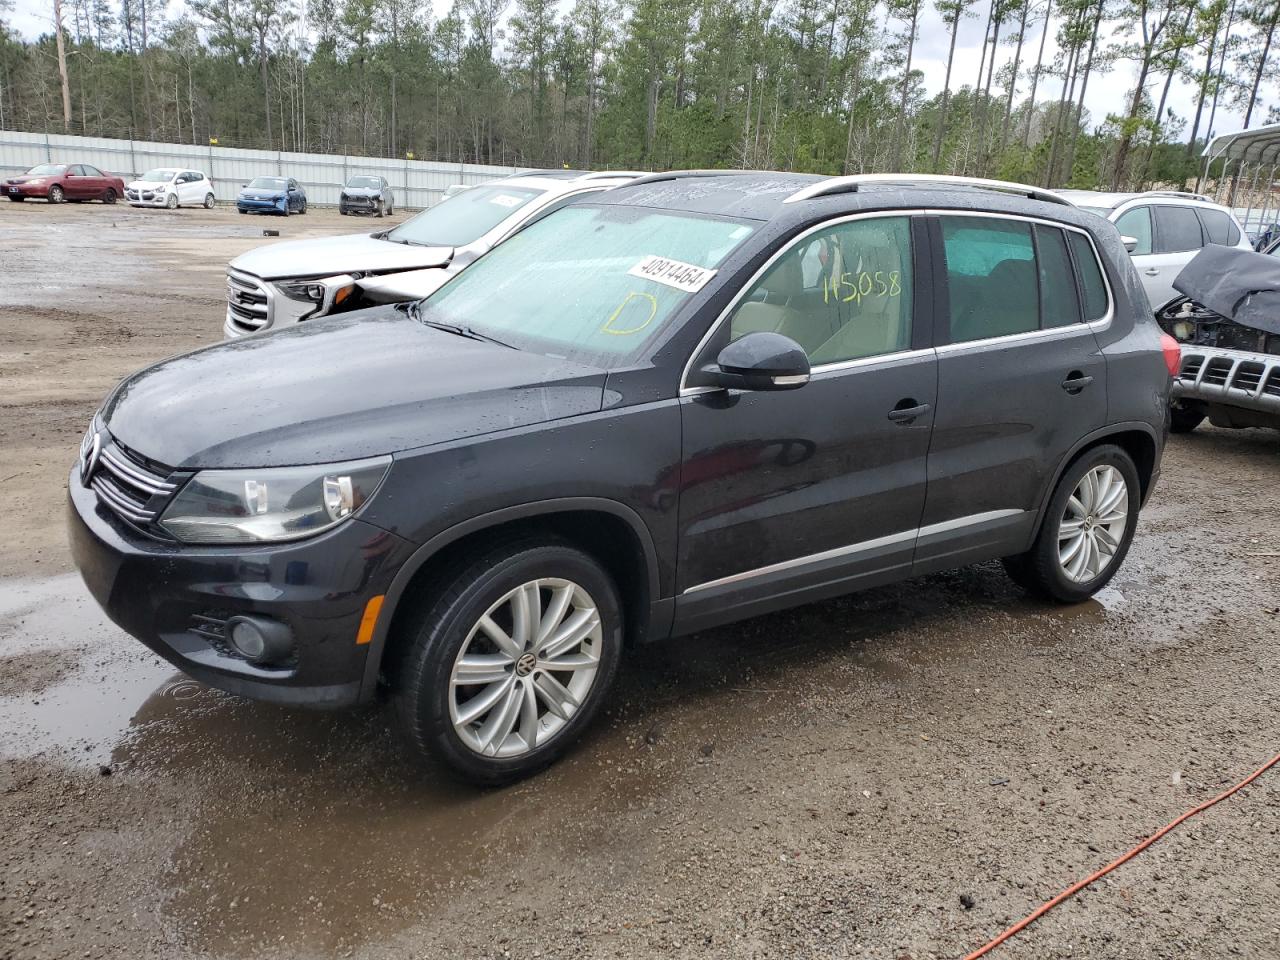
272, 505
308, 291
36, 183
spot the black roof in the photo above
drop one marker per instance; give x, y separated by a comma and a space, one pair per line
761, 196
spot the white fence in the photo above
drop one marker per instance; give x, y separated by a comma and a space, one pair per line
416, 183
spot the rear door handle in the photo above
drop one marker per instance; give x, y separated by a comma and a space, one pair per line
1151, 272
1076, 382
905, 415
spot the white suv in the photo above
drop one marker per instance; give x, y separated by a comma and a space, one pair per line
171, 187
1169, 228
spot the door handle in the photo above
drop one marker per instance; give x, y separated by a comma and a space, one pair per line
905, 414
1076, 382
1151, 272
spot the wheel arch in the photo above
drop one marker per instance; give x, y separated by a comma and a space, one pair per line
1140, 440
609, 531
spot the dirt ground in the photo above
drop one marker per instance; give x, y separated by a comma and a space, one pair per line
897, 774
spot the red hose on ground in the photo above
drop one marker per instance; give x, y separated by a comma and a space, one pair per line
1075, 888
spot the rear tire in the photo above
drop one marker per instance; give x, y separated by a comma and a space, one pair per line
1184, 420
209, 201
1086, 530
521, 714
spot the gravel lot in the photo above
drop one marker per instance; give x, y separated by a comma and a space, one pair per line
897, 774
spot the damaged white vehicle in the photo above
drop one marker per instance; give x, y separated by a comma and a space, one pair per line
287, 283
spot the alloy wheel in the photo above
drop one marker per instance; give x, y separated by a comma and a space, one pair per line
1092, 526
526, 667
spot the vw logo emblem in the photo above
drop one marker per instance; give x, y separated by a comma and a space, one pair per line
89, 461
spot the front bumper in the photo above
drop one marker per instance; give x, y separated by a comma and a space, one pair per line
358, 204
172, 596
1234, 378
145, 198
261, 206
26, 190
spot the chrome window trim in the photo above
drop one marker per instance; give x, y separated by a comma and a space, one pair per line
688, 391
946, 526
1097, 326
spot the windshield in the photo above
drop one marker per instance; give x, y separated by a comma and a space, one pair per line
266, 183
158, 175
590, 283
1100, 211
371, 182
47, 170
466, 217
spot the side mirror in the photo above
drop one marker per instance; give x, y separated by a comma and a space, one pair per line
761, 361
1130, 243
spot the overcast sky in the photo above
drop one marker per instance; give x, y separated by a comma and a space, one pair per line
1105, 95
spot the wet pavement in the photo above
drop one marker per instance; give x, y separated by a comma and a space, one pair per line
823, 782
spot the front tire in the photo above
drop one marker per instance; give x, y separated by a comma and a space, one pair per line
381, 212
1184, 420
507, 666
171, 202
56, 195
1086, 531
110, 196
209, 201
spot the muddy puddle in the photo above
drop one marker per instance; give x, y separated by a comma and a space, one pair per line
304, 831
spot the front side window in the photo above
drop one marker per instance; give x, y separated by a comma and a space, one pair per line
593, 284
1177, 230
991, 277
1136, 223
464, 217
842, 293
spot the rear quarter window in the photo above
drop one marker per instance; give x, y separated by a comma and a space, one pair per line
1059, 301
1218, 227
1091, 283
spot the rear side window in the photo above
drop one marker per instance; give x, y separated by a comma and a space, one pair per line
991, 277
1091, 284
1177, 230
1059, 301
1218, 227
1136, 223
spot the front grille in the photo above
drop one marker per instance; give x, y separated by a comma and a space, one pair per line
248, 306
1190, 367
1271, 386
1216, 371
212, 628
131, 487
1248, 375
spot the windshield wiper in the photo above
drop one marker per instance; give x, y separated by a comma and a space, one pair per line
456, 328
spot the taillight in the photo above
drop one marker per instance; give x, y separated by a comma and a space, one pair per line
1172, 353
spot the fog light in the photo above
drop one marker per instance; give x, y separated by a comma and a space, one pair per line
260, 639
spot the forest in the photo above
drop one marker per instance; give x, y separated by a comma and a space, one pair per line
806, 85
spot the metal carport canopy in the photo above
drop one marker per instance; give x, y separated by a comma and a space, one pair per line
1259, 145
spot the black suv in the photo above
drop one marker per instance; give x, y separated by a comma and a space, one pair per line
689, 400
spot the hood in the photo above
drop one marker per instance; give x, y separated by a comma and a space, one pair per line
263, 193
361, 192
147, 184
405, 286
353, 386
322, 256
27, 179
1240, 285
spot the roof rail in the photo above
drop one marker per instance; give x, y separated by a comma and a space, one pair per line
683, 174
1182, 194
612, 174
850, 184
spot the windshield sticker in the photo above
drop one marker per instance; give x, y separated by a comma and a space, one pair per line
634, 306
683, 276
506, 200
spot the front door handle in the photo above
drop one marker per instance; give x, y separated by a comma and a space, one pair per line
1151, 272
908, 410
1075, 382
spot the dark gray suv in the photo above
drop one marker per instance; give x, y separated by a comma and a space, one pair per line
690, 400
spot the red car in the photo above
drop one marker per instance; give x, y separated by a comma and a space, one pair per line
56, 182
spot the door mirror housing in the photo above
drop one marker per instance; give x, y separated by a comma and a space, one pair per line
1130, 243
760, 361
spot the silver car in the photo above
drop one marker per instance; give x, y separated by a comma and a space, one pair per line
1169, 228
287, 283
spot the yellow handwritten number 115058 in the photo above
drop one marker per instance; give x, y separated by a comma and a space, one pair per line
882, 283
